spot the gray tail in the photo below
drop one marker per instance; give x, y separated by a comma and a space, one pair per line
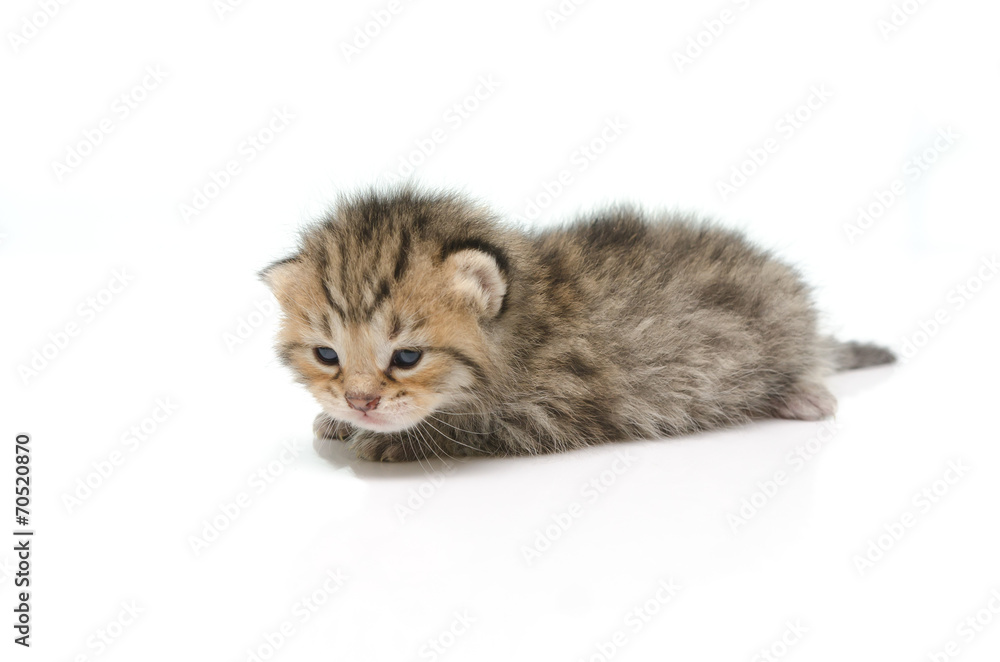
851, 355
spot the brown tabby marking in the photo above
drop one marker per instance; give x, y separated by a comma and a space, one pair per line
619, 326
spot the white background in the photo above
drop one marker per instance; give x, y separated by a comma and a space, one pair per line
184, 330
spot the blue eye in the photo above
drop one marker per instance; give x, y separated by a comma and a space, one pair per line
327, 356
406, 358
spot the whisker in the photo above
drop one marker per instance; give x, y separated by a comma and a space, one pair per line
450, 439
428, 444
441, 420
415, 448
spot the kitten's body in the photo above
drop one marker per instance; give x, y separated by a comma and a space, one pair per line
620, 326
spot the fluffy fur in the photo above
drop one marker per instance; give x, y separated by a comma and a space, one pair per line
618, 326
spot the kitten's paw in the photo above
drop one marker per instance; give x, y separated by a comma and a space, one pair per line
383, 448
325, 427
807, 402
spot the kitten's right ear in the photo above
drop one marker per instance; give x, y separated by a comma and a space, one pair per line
282, 275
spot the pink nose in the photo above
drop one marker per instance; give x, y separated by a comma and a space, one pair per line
362, 402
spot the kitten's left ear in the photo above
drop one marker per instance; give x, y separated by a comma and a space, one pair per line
478, 277
281, 276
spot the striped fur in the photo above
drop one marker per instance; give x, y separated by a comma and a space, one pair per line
619, 326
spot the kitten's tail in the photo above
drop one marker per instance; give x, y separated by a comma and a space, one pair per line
853, 354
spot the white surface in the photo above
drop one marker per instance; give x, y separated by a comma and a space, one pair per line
665, 517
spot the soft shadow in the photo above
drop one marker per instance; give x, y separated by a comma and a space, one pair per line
854, 382
340, 456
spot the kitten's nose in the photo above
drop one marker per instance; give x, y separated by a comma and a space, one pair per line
362, 402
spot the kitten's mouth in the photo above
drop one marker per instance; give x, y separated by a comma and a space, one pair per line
377, 421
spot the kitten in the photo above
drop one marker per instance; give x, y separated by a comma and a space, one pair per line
425, 327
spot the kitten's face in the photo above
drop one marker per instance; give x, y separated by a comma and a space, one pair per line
385, 374
383, 347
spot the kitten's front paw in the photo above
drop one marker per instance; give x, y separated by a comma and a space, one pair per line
377, 447
325, 427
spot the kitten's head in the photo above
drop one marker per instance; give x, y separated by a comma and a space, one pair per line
390, 306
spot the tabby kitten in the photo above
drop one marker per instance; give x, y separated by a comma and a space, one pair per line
425, 327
